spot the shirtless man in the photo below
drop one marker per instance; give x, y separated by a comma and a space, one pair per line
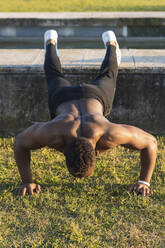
78, 127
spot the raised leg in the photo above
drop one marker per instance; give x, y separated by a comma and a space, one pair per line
52, 67
106, 80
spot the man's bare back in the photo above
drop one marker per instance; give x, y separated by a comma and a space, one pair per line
84, 118
78, 127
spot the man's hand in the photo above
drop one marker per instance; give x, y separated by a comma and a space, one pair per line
141, 189
30, 188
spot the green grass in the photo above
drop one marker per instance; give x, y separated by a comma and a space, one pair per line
96, 212
81, 5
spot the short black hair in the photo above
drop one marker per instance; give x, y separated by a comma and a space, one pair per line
80, 156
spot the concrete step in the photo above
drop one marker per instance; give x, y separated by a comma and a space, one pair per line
140, 94
80, 59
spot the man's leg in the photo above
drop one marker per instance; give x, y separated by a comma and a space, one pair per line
52, 66
106, 80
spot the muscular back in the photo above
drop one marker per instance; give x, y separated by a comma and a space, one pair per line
83, 118
74, 119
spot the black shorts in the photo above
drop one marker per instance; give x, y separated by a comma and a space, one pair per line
69, 93
60, 90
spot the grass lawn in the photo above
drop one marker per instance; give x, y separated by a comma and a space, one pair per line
81, 5
96, 212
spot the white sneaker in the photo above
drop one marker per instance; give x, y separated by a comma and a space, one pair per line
51, 35
110, 36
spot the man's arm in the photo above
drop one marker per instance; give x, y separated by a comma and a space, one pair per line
136, 138
33, 137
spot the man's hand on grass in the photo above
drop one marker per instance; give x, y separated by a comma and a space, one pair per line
140, 189
29, 188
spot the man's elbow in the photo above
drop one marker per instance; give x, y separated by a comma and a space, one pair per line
153, 144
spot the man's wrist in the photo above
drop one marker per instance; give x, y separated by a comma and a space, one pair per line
144, 182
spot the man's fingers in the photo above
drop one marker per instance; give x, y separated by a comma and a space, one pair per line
147, 192
38, 189
140, 191
33, 188
144, 191
22, 191
30, 189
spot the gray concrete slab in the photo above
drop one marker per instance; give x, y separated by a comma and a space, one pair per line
148, 58
72, 58
127, 60
84, 58
83, 15
21, 57
93, 58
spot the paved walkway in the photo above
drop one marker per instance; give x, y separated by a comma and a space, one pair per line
84, 58
83, 15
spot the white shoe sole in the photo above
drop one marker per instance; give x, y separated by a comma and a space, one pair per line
110, 36
51, 35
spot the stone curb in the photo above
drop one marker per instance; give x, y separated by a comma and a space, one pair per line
82, 60
82, 15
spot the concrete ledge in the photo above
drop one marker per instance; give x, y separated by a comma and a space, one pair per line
140, 95
134, 59
82, 15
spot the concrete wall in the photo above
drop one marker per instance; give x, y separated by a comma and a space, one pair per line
140, 97
133, 29
136, 23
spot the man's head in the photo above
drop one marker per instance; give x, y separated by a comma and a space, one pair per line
80, 157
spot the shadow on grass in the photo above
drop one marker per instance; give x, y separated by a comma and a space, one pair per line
9, 187
75, 190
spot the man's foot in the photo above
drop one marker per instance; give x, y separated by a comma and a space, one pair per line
109, 37
51, 36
